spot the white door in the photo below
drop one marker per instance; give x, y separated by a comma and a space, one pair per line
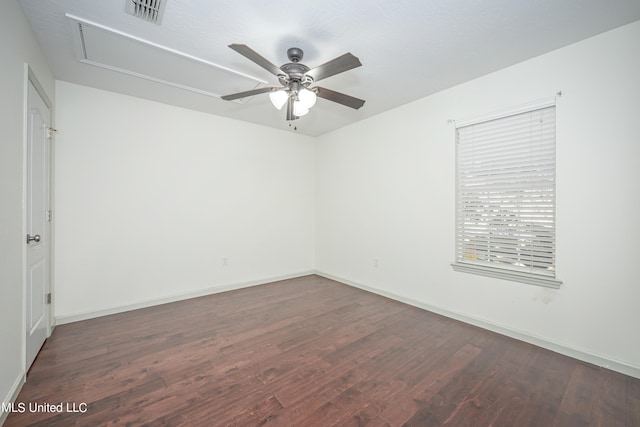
38, 225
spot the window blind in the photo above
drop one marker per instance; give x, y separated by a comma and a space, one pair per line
505, 207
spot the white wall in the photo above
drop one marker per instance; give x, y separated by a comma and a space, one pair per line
150, 198
17, 47
386, 190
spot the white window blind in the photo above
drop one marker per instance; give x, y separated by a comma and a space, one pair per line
506, 195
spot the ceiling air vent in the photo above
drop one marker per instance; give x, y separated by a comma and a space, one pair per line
148, 10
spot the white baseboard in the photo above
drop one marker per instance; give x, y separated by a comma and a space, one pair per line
12, 395
69, 318
576, 353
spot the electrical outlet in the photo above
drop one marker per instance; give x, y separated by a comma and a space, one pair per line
225, 262
375, 262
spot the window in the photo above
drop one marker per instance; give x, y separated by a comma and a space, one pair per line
506, 195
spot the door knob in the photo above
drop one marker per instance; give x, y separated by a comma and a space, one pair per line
31, 238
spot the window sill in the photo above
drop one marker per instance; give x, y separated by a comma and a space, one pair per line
515, 276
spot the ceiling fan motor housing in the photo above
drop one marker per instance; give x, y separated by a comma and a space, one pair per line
296, 71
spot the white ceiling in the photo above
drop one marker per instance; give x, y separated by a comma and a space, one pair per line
409, 48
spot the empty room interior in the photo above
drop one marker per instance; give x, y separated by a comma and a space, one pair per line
332, 213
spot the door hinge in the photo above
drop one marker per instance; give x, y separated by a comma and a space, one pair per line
49, 298
51, 132
47, 215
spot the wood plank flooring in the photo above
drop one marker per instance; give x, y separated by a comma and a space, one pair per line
310, 352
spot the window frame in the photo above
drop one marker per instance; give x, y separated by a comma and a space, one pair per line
496, 271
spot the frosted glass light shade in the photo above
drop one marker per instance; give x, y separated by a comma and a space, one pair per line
307, 98
299, 109
278, 98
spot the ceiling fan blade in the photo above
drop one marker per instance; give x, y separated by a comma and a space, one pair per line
254, 56
335, 66
244, 94
338, 97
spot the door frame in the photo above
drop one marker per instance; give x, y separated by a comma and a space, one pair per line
31, 78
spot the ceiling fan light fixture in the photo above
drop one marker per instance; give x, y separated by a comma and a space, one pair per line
307, 98
278, 98
299, 109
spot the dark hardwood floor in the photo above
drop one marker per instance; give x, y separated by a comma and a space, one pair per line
310, 352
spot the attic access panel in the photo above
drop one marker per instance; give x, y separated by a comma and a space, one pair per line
114, 50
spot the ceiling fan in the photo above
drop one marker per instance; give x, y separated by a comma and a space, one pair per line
296, 79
